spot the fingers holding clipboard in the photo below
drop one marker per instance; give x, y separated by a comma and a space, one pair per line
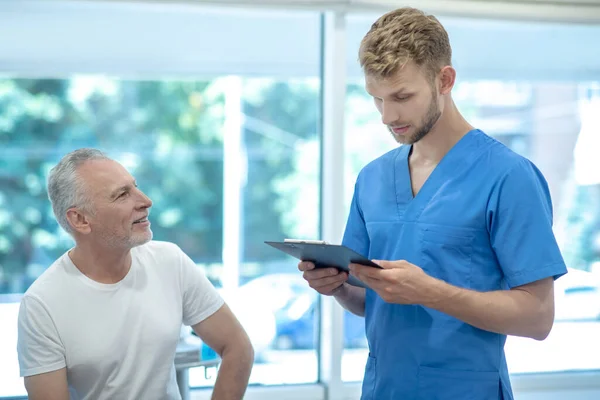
324, 255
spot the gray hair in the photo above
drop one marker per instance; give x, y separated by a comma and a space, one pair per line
65, 188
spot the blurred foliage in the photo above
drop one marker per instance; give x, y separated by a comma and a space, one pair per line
169, 134
579, 226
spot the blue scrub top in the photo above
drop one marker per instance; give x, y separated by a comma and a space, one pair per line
482, 221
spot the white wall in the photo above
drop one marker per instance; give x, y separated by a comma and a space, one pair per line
65, 37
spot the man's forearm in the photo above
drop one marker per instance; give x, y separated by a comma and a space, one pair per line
234, 373
510, 312
352, 298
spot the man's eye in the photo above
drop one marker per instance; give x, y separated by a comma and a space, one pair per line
123, 194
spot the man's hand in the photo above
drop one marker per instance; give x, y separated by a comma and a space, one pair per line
326, 281
526, 310
397, 282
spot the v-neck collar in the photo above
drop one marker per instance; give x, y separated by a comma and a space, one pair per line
410, 206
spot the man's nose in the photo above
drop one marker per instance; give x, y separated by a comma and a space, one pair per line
388, 114
145, 201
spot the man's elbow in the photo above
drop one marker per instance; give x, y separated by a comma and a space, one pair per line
241, 350
248, 350
543, 326
244, 356
541, 333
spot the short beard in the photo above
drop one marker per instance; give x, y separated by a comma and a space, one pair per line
431, 118
127, 243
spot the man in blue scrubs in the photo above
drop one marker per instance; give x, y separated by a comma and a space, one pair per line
462, 226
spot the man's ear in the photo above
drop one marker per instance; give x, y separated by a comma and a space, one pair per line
447, 78
78, 221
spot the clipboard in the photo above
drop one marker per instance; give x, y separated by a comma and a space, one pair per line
325, 255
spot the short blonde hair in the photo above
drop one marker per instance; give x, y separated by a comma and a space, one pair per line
404, 35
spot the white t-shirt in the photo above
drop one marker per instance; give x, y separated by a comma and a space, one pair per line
117, 341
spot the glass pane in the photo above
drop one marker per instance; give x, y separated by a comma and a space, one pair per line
550, 118
279, 198
224, 161
563, 141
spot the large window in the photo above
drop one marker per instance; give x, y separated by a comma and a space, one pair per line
229, 154
549, 117
211, 154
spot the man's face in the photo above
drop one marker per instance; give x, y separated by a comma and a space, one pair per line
408, 103
120, 209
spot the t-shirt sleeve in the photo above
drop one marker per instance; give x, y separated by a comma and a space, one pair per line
520, 224
356, 236
200, 298
39, 346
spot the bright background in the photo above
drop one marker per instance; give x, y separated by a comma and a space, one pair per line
250, 124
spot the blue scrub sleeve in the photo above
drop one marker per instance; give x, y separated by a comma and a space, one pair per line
356, 236
519, 218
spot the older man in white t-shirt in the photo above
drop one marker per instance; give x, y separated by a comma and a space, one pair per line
104, 320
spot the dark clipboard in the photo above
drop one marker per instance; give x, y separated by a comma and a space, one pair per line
326, 256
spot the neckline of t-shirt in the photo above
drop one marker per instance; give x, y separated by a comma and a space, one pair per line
98, 285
